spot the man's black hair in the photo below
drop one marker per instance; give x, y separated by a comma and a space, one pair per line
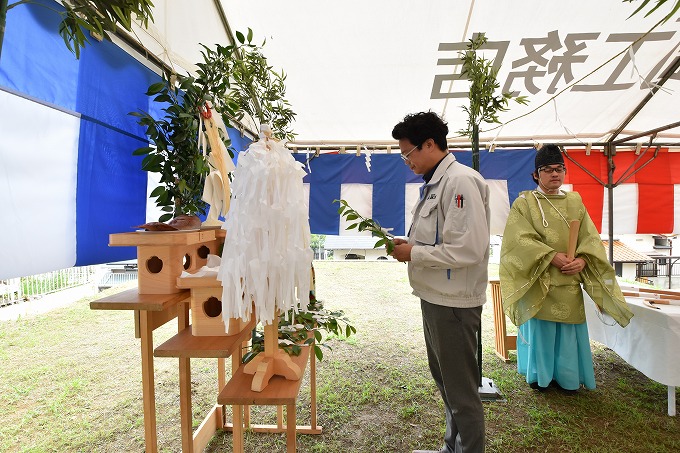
418, 127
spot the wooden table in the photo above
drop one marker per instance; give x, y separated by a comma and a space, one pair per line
161, 258
279, 392
186, 346
503, 342
151, 311
649, 342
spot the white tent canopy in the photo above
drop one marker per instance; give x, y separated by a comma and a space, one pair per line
355, 68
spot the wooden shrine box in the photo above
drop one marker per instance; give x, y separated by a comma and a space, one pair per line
163, 255
206, 307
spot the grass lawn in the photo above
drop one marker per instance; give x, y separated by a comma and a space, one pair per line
70, 381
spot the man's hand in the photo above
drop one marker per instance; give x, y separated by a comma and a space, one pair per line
402, 250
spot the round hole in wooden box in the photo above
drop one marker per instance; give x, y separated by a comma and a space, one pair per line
186, 261
203, 252
154, 265
212, 307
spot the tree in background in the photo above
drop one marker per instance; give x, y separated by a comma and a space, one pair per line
97, 17
317, 242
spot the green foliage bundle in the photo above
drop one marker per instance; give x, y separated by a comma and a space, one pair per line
484, 104
79, 16
303, 328
237, 81
101, 18
366, 224
258, 90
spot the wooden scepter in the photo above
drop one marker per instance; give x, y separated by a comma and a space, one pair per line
573, 236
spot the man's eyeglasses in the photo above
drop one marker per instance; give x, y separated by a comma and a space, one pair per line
548, 170
404, 157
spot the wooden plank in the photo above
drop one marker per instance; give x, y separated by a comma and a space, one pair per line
204, 433
198, 282
186, 345
159, 318
280, 390
154, 238
275, 429
132, 300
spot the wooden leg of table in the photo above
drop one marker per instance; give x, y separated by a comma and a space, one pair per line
279, 417
148, 391
222, 374
186, 421
237, 431
186, 418
290, 428
312, 385
671, 400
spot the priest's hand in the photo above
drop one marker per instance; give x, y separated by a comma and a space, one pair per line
402, 250
560, 260
573, 268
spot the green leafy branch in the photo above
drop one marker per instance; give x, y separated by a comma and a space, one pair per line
659, 3
366, 224
484, 105
258, 89
304, 328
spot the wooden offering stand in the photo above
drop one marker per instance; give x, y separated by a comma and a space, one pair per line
162, 296
162, 256
272, 361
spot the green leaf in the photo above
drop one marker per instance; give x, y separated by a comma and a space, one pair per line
158, 191
318, 353
240, 37
155, 88
142, 151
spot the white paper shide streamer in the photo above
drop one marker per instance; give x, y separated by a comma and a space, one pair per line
267, 256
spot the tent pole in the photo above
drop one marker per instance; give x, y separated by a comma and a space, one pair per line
610, 149
670, 71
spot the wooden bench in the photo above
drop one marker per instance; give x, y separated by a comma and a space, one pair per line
280, 392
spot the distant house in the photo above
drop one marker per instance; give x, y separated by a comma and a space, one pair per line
627, 261
355, 248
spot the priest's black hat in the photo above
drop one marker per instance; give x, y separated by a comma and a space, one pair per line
548, 155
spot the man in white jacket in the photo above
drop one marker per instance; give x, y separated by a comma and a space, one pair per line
448, 253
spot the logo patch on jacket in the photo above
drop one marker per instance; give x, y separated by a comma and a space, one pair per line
432, 196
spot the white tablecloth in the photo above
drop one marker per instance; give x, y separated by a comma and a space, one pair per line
649, 343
